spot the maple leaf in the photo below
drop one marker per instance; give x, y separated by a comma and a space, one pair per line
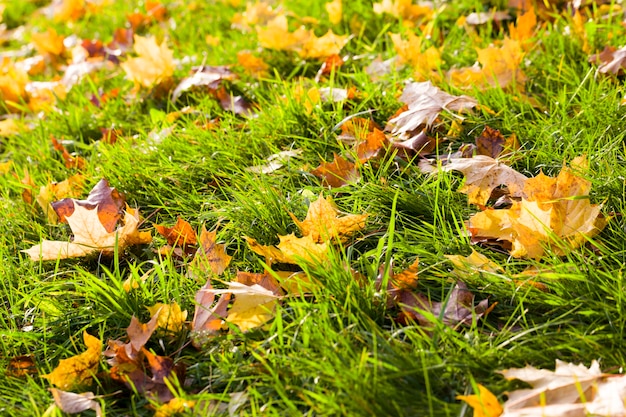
425, 102
337, 173
334, 10
551, 209
485, 404
72, 403
80, 369
174, 407
324, 223
275, 35
208, 318
58, 190
492, 143
181, 234
169, 316
252, 65
410, 52
90, 236
207, 76
211, 255
572, 390
404, 9
275, 162
13, 82
483, 174
327, 45
154, 65
20, 366
49, 43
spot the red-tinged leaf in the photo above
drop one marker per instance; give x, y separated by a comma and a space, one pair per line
181, 234
139, 333
492, 143
265, 280
235, 104
337, 173
205, 76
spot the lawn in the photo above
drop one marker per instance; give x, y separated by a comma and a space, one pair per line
311, 208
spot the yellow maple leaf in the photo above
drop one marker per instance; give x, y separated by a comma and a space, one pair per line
68, 10
154, 65
174, 407
276, 35
13, 83
524, 27
90, 236
253, 307
552, 210
77, 370
485, 404
335, 11
324, 46
474, 262
298, 249
169, 316
49, 42
404, 9
323, 221
410, 52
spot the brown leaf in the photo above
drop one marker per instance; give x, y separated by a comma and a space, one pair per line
406, 279
208, 318
21, 366
337, 173
181, 234
493, 144
375, 142
208, 76
457, 309
70, 161
139, 333
235, 104
425, 103
90, 237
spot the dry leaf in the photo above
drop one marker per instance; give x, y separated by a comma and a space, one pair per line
154, 64
274, 162
21, 366
425, 63
572, 390
425, 102
554, 212
324, 46
181, 234
337, 173
324, 223
482, 175
90, 236
493, 144
72, 403
80, 369
610, 60
211, 255
485, 404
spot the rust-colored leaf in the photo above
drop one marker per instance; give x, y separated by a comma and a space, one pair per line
181, 234
493, 144
76, 162
21, 366
337, 173
211, 255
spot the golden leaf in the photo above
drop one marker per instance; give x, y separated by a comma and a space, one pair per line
276, 35
253, 307
77, 370
298, 249
334, 10
154, 64
169, 316
410, 52
485, 404
324, 46
323, 222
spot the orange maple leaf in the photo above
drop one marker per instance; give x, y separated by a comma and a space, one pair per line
154, 65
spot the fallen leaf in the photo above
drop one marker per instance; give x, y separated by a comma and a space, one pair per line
106, 200
554, 212
295, 250
169, 316
208, 318
324, 46
174, 407
323, 222
48, 43
72, 186
375, 142
181, 234
458, 309
21, 366
70, 161
404, 9
80, 369
425, 103
334, 10
72, 403
276, 35
337, 173
485, 404
475, 262
211, 255
154, 64
572, 390
425, 63
252, 65
482, 175
275, 162
90, 236
492, 143
204, 76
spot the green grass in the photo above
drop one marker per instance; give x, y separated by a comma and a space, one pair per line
338, 352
